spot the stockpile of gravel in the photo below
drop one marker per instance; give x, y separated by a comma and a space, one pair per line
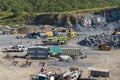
29, 29
109, 39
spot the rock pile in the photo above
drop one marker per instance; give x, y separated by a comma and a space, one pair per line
109, 39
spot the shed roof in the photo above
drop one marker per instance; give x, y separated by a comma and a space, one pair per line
37, 47
55, 49
98, 69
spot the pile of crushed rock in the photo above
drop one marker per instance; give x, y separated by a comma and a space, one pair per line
31, 28
107, 26
95, 40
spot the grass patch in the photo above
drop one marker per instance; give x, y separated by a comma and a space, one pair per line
7, 18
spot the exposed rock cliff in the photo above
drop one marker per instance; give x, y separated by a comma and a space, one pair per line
81, 22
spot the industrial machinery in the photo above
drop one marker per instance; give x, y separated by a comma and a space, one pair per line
116, 32
56, 40
71, 74
10, 31
69, 32
104, 47
60, 37
54, 33
16, 48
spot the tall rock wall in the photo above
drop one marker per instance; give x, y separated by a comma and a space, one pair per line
95, 20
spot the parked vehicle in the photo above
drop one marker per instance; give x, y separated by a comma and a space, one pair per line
67, 75
72, 74
16, 48
65, 58
38, 77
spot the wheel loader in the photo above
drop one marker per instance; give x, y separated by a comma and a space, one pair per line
104, 47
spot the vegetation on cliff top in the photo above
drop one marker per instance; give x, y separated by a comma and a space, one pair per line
11, 10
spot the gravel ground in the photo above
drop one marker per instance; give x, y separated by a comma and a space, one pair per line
7, 40
101, 59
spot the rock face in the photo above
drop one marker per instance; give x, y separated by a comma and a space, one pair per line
80, 22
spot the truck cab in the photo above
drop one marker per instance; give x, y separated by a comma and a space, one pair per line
20, 47
41, 77
16, 48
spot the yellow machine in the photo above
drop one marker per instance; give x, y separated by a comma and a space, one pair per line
114, 32
49, 33
66, 31
69, 31
104, 47
72, 34
10, 31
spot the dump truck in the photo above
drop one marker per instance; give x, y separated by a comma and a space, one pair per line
104, 47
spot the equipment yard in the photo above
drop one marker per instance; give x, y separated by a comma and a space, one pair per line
14, 69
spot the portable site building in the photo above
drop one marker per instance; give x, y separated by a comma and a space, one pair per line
37, 52
98, 72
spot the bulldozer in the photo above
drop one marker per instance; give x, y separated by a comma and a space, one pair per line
104, 47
